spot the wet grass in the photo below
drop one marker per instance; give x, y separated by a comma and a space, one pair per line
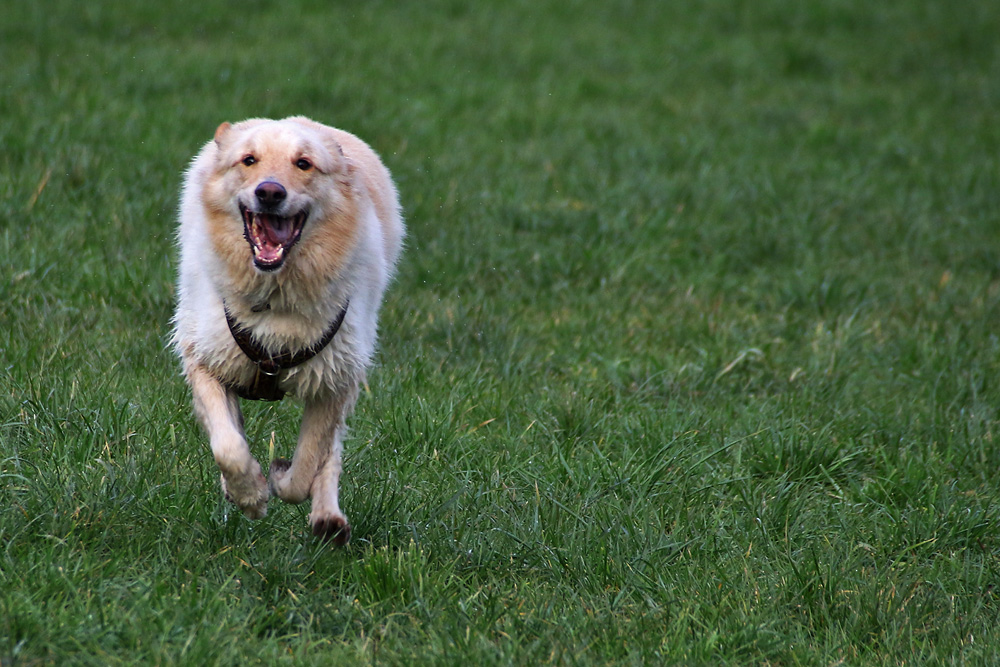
691, 357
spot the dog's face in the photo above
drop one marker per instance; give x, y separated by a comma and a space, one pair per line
272, 181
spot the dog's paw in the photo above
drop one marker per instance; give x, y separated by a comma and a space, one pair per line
251, 497
283, 485
276, 473
332, 527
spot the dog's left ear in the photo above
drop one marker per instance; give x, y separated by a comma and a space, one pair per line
338, 152
345, 164
221, 132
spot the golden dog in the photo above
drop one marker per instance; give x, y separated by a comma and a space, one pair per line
289, 234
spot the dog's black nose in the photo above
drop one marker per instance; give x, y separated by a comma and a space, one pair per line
270, 193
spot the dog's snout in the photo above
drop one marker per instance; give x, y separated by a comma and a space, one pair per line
270, 193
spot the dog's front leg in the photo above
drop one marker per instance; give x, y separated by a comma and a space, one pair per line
314, 470
218, 410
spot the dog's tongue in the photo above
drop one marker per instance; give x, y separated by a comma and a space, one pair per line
278, 230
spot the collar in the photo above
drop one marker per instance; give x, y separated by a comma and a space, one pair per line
269, 365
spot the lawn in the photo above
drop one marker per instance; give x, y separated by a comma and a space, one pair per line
691, 358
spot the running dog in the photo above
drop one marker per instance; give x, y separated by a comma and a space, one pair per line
289, 235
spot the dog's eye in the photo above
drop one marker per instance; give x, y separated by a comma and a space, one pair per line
303, 164
249, 161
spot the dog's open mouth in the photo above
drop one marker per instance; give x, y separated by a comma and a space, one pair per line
271, 236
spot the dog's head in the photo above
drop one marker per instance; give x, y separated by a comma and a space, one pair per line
276, 178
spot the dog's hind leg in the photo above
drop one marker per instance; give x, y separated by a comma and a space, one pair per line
218, 410
314, 470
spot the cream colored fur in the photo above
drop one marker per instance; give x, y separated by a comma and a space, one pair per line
347, 251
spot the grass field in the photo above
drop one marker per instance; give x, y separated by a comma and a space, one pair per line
692, 357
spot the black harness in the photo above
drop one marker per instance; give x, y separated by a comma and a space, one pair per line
269, 366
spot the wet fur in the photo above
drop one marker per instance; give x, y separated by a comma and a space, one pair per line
347, 251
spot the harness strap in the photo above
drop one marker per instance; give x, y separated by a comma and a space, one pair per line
269, 366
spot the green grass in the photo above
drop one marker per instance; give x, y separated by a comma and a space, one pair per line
691, 358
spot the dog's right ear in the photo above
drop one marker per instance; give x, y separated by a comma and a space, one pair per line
221, 132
